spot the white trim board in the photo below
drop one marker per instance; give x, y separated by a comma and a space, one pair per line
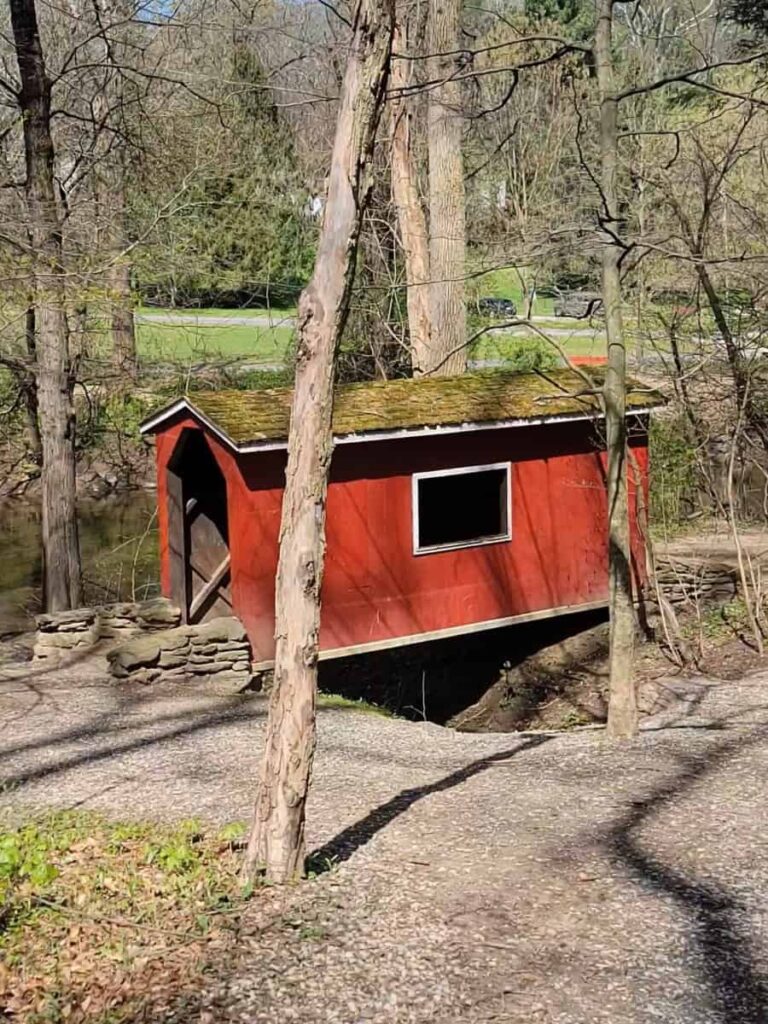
444, 634
498, 538
265, 445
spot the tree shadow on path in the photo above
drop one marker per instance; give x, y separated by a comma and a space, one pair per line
720, 921
143, 735
355, 836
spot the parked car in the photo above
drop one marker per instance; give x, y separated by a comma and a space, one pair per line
578, 304
497, 309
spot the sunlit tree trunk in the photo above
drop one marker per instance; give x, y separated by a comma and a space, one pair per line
411, 220
447, 227
276, 842
124, 357
622, 701
61, 554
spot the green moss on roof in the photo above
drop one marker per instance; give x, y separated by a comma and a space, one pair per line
371, 407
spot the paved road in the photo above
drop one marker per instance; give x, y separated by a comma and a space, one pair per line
508, 878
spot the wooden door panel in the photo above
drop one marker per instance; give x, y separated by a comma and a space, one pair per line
209, 563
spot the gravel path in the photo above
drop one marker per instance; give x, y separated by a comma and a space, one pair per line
506, 878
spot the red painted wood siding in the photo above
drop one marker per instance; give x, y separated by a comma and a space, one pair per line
375, 588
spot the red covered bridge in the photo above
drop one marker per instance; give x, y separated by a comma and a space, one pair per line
455, 505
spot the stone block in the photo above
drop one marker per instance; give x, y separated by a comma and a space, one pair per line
65, 640
73, 621
118, 632
222, 630
119, 609
199, 659
158, 613
233, 645
146, 675
209, 668
174, 639
172, 659
140, 653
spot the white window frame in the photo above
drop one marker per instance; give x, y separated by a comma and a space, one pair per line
497, 538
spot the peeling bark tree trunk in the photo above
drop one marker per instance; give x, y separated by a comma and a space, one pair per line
447, 228
276, 842
61, 554
622, 701
412, 222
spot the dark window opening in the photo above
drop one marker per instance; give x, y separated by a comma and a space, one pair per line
461, 509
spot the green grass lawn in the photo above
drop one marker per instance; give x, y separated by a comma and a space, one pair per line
502, 346
200, 342
158, 342
165, 342
505, 284
274, 312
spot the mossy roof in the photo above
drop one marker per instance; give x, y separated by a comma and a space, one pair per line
427, 403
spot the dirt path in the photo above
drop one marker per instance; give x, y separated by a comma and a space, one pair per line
715, 543
479, 878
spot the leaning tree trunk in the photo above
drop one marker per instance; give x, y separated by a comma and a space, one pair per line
276, 843
447, 229
622, 701
61, 553
411, 220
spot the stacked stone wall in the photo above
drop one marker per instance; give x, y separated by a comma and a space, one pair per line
695, 581
62, 636
217, 648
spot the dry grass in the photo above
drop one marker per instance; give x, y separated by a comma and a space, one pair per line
105, 922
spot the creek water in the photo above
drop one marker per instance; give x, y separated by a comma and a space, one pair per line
118, 541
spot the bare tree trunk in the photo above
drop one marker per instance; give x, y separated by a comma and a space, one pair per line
111, 204
753, 415
123, 331
110, 194
412, 222
276, 842
29, 385
61, 553
622, 701
447, 228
